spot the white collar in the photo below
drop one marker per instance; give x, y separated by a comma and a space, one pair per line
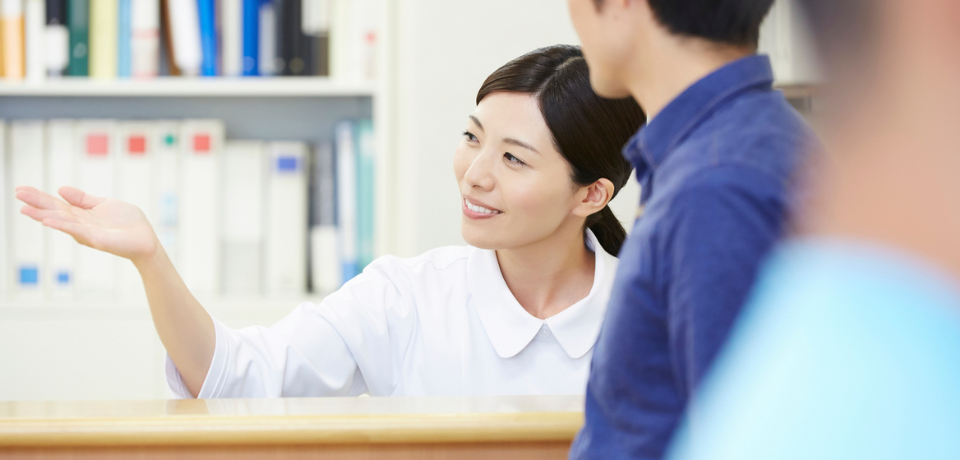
510, 328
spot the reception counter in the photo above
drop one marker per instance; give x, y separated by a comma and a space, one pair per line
515, 427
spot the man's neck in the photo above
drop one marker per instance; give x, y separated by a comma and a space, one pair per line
680, 62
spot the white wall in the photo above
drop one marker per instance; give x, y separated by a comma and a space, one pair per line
105, 351
444, 50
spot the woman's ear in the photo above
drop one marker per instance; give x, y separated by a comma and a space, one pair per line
594, 197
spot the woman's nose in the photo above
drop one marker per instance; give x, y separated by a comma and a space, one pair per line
480, 172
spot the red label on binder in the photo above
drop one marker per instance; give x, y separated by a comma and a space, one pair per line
201, 143
97, 145
137, 145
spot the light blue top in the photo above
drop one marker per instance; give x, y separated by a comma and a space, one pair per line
846, 351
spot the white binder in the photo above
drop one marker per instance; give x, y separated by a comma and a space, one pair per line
136, 185
243, 190
231, 27
286, 219
201, 142
145, 39
61, 248
166, 210
96, 174
26, 244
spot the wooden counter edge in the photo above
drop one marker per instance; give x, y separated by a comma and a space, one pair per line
310, 429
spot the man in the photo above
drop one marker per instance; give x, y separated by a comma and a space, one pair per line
714, 163
850, 348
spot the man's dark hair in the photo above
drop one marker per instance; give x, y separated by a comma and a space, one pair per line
843, 31
840, 25
731, 22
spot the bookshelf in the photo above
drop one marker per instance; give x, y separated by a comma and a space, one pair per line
107, 348
231, 310
190, 87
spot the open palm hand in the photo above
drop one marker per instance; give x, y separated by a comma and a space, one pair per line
101, 223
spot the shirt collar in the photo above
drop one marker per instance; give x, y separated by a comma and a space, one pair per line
510, 328
655, 140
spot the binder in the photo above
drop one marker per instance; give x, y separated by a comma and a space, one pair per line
78, 25
56, 38
268, 38
291, 53
145, 39
11, 26
35, 24
95, 150
354, 39
61, 248
208, 37
104, 21
286, 219
251, 37
165, 217
185, 34
243, 190
316, 18
135, 181
231, 26
325, 272
199, 229
26, 243
168, 65
785, 37
124, 35
366, 156
347, 200
6, 192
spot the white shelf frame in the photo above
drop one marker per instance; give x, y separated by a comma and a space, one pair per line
138, 310
198, 87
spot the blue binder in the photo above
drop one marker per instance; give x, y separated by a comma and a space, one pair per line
208, 37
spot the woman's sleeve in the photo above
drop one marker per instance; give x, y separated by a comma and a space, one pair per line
351, 343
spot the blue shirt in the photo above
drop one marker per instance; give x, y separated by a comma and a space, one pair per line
715, 168
846, 352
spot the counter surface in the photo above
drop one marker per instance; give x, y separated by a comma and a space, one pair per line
291, 421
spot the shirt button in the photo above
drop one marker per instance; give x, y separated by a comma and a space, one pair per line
544, 331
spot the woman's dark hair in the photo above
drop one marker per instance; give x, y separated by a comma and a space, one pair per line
587, 130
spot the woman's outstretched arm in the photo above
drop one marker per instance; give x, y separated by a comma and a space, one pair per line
119, 228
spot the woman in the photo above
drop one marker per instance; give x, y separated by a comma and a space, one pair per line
517, 312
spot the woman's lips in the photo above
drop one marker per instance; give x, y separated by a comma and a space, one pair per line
475, 210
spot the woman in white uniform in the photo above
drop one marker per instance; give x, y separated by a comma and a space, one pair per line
517, 312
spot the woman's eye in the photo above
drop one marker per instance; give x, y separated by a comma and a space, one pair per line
470, 137
512, 159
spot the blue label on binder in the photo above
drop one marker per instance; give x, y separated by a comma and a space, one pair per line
29, 275
63, 277
287, 164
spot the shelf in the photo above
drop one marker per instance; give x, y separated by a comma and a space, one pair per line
798, 91
137, 309
199, 87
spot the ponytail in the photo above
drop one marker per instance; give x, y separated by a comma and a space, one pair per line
608, 230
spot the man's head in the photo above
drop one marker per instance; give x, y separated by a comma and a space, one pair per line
618, 36
888, 50
894, 111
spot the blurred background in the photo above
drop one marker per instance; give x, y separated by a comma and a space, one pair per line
277, 146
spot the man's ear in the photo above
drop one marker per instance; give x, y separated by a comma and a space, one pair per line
594, 197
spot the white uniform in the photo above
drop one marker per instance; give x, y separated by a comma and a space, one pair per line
443, 323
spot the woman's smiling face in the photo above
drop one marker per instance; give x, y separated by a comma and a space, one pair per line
516, 188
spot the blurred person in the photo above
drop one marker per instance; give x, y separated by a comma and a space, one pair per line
850, 347
713, 161
517, 312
